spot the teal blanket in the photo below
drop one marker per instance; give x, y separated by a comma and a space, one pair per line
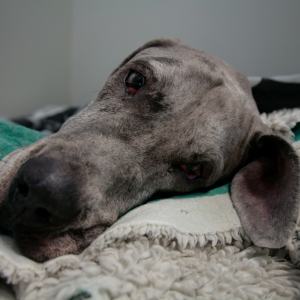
13, 137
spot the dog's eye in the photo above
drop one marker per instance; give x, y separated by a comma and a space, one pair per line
134, 81
191, 171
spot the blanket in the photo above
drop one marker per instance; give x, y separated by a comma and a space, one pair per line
185, 247
13, 137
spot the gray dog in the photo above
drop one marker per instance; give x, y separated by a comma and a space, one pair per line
169, 119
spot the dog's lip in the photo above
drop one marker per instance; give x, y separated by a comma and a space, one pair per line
41, 248
44, 245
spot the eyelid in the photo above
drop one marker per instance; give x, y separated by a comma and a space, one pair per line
140, 66
126, 76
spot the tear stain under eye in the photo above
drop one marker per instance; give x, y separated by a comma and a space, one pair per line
156, 102
127, 95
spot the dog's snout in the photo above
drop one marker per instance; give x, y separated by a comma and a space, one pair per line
43, 193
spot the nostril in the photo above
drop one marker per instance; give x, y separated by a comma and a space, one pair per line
22, 188
43, 192
43, 214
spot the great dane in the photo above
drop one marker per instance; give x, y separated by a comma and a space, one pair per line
169, 119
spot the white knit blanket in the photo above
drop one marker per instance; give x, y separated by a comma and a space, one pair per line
187, 247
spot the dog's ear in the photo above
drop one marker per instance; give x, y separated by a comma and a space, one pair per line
266, 192
164, 43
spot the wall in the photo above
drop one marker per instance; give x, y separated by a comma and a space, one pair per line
257, 37
34, 54
61, 52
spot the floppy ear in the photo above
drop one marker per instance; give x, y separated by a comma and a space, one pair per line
266, 192
153, 43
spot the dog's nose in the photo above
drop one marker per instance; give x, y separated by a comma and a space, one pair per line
44, 193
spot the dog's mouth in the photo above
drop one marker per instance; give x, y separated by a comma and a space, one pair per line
41, 246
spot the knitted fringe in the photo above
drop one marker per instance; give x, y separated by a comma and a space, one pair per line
282, 121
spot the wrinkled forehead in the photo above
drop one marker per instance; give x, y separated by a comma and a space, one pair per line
179, 56
197, 72
193, 70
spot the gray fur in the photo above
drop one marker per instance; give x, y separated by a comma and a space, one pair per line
121, 149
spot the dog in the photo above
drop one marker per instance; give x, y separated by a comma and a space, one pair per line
170, 118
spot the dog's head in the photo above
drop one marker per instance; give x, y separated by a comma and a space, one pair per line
169, 119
